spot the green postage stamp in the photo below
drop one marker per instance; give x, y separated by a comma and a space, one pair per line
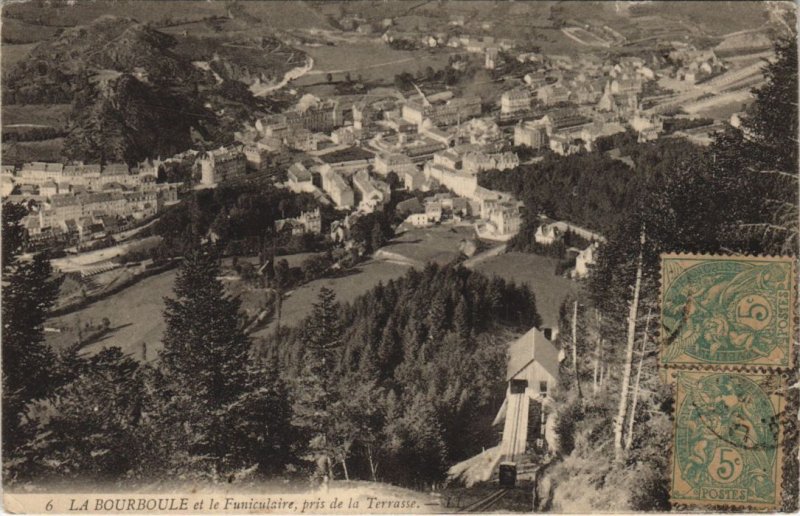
726, 310
727, 448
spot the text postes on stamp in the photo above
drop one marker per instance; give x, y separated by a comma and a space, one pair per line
726, 310
727, 442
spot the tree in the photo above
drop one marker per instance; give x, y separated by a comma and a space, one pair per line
316, 392
376, 236
90, 431
208, 389
619, 421
13, 233
28, 293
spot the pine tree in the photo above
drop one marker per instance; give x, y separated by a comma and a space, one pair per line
209, 391
28, 293
90, 430
316, 388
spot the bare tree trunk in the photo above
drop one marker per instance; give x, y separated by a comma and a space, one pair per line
629, 436
575, 348
344, 467
598, 378
373, 468
619, 420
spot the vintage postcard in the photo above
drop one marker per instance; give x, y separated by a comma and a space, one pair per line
728, 444
398, 256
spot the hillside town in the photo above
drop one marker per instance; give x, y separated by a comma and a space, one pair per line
346, 149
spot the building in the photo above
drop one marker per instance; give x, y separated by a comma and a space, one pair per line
337, 188
623, 86
372, 193
433, 210
584, 260
149, 169
564, 121
48, 189
549, 233
460, 182
535, 79
475, 162
344, 136
418, 220
397, 163
430, 131
503, 220
40, 172
414, 179
299, 178
480, 131
256, 157
449, 113
449, 158
567, 144
584, 93
221, 165
490, 59
315, 116
647, 128
531, 134
515, 100
363, 115
553, 94
7, 186
307, 222
526, 413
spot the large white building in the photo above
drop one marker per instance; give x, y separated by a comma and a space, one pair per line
460, 182
515, 100
338, 189
452, 112
549, 233
372, 193
397, 163
220, 165
531, 134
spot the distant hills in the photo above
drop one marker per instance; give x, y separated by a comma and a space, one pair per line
135, 91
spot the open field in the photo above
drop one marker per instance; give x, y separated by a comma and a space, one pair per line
722, 106
438, 244
21, 152
53, 115
135, 315
20, 32
373, 61
537, 272
13, 54
297, 305
79, 13
725, 18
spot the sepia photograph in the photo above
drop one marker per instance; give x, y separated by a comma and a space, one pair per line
399, 256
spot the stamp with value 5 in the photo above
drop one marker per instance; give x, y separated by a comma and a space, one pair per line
727, 310
727, 447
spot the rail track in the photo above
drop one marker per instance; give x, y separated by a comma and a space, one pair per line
486, 502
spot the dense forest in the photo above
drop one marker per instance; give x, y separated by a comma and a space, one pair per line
422, 355
739, 196
591, 190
